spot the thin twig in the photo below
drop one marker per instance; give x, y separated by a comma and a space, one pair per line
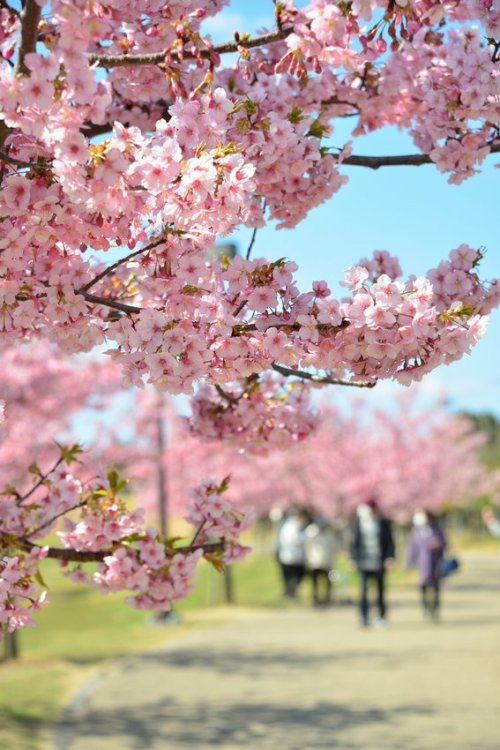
54, 518
322, 379
240, 307
252, 241
118, 263
156, 58
198, 532
333, 100
222, 393
4, 132
42, 479
90, 129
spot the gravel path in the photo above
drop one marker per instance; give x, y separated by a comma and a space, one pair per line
300, 679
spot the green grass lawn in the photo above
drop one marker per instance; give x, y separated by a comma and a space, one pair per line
80, 629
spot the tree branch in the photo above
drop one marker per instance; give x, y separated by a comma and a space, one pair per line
110, 302
16, 162
240, 307
4, 132
41, 480
324, 380
230, 399
156, 58
54, 518
30, 18
252, 241
90, 129
402, 160
86, 556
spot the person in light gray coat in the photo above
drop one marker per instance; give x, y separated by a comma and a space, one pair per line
290, 550
319, 545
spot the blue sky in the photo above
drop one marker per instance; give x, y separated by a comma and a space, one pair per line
411, 212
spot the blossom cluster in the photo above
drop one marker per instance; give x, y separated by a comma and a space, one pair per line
20, 594
98, 527
55, 495
141, 562
384, 328
263, 415
421, 65
216, 518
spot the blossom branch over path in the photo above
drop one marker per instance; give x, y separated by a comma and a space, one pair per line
132, 558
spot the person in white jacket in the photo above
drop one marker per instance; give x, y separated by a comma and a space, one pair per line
290, 550
491, 521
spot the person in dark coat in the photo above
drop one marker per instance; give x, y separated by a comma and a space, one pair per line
372, 552
425, 549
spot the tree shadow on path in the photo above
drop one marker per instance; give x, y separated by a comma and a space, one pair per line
260, 663
200, 725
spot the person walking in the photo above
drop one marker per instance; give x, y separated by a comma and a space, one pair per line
491, 522
319, 546
425, 549
372, 552
291, 551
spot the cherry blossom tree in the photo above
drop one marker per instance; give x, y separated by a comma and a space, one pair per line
410, 456
127, 145
46, 391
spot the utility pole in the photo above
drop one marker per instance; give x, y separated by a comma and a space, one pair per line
169, 617
226, 250
161, 474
